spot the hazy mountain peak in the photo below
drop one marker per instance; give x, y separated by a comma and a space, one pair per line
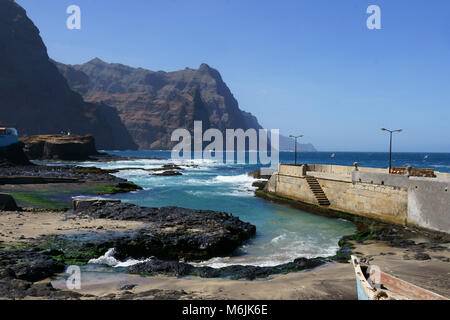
204, 67
96, 60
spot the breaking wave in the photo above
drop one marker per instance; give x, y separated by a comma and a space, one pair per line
109, 260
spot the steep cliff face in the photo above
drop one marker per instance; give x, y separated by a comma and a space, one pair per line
35, 97
153, 104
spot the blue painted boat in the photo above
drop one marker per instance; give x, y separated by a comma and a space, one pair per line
374, 284
8, 136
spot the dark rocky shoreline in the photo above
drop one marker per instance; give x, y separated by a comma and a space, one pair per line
171, 232
234, 272
168, 233
58, 172
171, 236
22, 272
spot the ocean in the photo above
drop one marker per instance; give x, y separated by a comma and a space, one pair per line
283, 233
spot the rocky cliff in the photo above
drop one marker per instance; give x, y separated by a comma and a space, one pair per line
152, 104
35, 97
59, 147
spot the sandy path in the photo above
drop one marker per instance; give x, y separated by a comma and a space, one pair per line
331, 282
21, 226
335, 281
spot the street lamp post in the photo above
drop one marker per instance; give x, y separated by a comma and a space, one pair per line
295, 147
390, 144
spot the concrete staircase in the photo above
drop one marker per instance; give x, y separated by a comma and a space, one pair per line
318, 191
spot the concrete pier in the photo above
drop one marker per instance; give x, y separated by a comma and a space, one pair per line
369, 192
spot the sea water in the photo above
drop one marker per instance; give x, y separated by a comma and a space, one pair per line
283, 232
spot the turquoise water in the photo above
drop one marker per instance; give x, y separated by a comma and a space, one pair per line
283, 233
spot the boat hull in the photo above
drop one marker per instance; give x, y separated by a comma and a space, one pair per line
393, 288
6, 140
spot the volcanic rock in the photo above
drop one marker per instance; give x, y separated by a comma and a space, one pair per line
60, 147
172, 232
174, 268
7, 203
168, 173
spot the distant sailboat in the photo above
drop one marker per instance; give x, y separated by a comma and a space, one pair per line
333, 155
426, 157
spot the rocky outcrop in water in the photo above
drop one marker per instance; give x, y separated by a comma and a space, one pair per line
60, 147
171, 232
179, 269
35, 98
260, 185
168, 173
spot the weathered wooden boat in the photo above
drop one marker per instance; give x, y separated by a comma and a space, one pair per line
374, 284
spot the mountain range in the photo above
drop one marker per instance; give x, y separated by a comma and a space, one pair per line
123, 107
35, 98
153, 104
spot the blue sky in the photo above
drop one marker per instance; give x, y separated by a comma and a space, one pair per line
304, 66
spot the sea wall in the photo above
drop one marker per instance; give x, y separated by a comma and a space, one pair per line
340, 170
369, 192
381, 179
429, 203
385, 203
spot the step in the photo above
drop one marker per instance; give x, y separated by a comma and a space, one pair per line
318, 192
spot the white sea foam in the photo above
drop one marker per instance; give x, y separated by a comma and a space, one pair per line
242, 178
109, 260
281, 249
200, 182
278, 239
